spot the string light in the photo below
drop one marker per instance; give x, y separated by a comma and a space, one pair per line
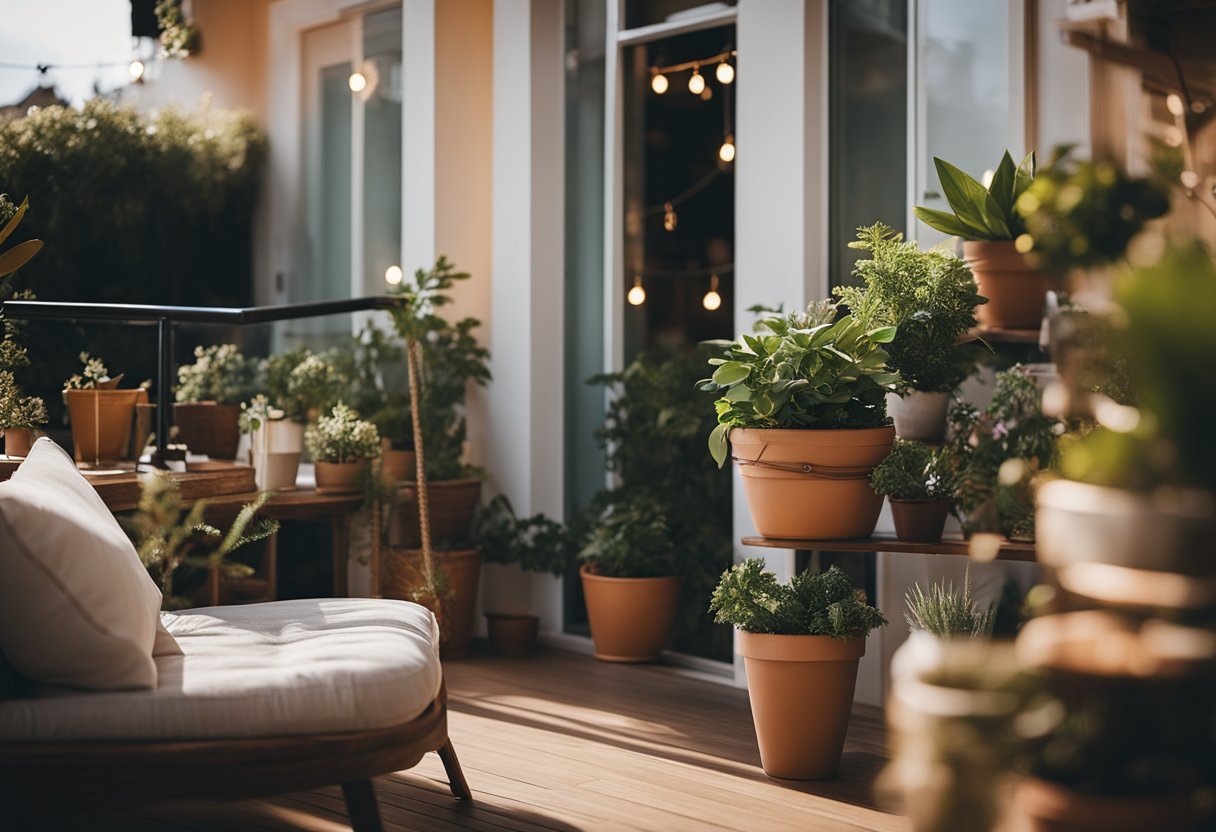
727, 151
658, 82
357, 82
393, 275
670, 218
725, 73
696, 83
712, 300
136, 71
1173, 103
637, 295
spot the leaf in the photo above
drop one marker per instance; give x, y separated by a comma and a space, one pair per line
1024, 175
732, 372
718, 444
945, 222
12, 224
970, 200
18, 256
882, 335
739, 393
1001, 186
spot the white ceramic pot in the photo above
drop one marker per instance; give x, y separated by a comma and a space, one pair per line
919, 415
276, 448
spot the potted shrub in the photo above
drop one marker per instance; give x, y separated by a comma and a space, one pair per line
342, 446
536, 544
209, 394
989, 226
931, 298
919, 481
100, 413
19, 416
803, 407
801, 643
629, 582
275, 443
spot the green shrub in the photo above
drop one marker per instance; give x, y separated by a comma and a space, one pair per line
631, 539
537, 543
914, 471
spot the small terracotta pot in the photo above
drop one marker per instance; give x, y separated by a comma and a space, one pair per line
461, 568
451, 505
208, 428
512, 636
919, 415
801, 690
397, 466
631, 618
1015, 290
1048, 807
101, 422
18, 441
339, 477
811, 483
919, 521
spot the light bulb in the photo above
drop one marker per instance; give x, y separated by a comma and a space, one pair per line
670, 218
697, 82
659, 82
725, 73
712, 300
637, 295
393, 274
136, 70
357, 82
1173, 102
727, 151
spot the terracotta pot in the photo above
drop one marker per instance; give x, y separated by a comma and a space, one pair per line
1015, 290
101, 422
631, 618
339, 477
512, 636
811, 483
919, 415
402, 574
398, 466
451, 503
1048, 807
18, 441
208, 428
801, 690
275, 451
919, 521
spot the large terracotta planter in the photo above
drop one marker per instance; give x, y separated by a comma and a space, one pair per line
801, 690
101, 422
631, 618
461, 568
919, 415
919, 521
339, 477
18, 441
811, 483
451, 505
512, 636
1048, 807
1016, 291
208, 428
275, 451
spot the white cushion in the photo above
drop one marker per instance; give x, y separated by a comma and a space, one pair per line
77, 607
262, 670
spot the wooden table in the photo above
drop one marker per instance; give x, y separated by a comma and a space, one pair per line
949, 545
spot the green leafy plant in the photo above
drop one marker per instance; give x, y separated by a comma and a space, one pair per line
998, 452
167, 537
980, 213
17, 410
806, 371
179, 35
220, 373
929, 296
945, 612
537, 543
914, 471
823, 604
342, 437
631, 539
1084, 214
17, 255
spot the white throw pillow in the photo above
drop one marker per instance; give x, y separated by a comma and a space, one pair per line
77, 607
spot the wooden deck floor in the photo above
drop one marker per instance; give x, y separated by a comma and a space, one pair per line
562, 742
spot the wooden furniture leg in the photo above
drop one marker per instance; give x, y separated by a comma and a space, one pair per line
270, 566
339, 527
361, 806
456, 781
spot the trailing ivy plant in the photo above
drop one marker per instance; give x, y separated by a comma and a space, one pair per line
801, 370
945, 612
976, 212
914, 471
809, 604
929, 296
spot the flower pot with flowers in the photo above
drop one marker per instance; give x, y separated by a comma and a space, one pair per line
209, 393
100, 413
342, 445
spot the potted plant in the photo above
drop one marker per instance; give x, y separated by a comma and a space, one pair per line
629, 581
536, 544
919, 481
801, 643
209, 394
931, 298
19, 416
803, 405
100, 413
985, 219
342, 445
275, 443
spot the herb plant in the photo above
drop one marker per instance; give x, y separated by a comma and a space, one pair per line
537, 543
220, 373
806, 371
914, 471
929, 296
93, 375
945, 612
631, 540
342, 437
823, 604
981, 213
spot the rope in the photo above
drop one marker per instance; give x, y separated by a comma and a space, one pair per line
424, 515
819, 472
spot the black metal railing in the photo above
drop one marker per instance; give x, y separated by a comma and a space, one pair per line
164, 317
